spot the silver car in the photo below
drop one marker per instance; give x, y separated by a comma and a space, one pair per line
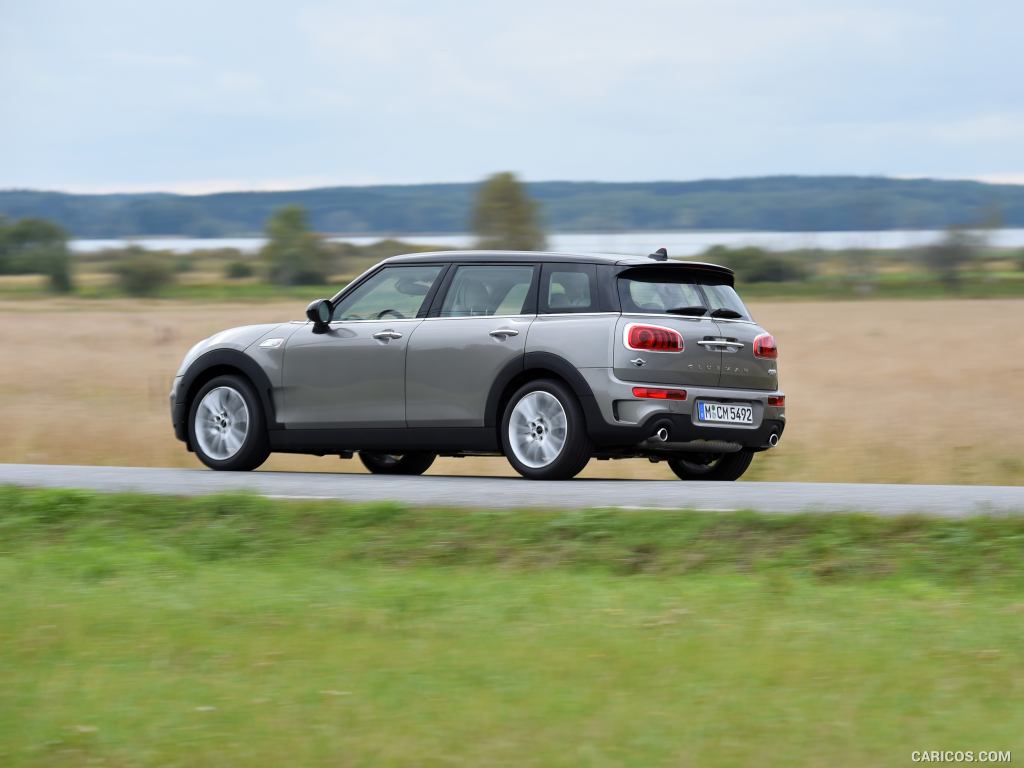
550, 359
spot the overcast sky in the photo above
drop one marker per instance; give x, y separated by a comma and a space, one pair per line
197, 96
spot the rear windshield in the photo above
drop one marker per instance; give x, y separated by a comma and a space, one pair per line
658, 292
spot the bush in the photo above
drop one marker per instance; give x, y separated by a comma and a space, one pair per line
946, 259
142, 273
184, 264
294, 255
756, 265
237, 270
36, 246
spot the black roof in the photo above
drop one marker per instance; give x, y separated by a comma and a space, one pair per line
548, 256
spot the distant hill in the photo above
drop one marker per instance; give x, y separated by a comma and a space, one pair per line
782, 203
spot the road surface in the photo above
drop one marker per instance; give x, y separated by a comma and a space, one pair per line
503, 492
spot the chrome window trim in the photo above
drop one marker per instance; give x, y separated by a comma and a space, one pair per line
381, 320
575, 314
542, 315
476, 317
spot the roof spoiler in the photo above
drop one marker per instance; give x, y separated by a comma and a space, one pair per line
712, 273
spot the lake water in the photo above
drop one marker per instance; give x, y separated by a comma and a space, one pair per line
635, 243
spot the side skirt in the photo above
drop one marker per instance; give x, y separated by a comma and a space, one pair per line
433, 439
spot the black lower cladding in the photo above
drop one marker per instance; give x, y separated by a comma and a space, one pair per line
485, 439
397, 440
680, 427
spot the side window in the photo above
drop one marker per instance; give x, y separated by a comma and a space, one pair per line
394, 292
568, 288
498, 289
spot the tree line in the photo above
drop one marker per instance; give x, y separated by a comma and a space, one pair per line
781, 203
503, 216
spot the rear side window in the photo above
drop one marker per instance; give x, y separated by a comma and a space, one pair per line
499, 289
568, 288
662, 292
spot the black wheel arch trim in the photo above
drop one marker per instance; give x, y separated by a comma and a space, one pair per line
541, 363
222, 358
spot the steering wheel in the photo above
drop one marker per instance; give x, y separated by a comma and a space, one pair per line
392, 312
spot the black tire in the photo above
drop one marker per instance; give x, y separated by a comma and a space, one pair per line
380, 463
576, 449
255, 447
711, 466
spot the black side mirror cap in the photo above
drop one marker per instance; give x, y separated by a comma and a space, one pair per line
319, 313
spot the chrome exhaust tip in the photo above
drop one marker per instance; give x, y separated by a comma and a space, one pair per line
661, 435
773, 439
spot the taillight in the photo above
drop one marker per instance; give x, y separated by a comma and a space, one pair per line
764, 346
777, 401
656, 393
653, 338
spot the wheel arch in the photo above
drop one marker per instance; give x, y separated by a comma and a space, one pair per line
534, 366
221, 362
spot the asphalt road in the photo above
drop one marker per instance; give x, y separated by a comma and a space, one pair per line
502, 492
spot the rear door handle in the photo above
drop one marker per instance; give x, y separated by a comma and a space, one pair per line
503, 333
387, 335
720, 343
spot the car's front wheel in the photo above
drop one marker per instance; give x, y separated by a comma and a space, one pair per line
544, 433
711, 466
227, 428
380, 463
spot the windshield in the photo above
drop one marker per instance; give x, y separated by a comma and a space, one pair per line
657, 292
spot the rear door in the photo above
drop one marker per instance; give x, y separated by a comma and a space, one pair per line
646, 295
455, 355
749, 358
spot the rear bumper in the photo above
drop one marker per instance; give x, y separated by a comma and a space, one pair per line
616, 419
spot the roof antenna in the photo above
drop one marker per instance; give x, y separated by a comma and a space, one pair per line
659, 255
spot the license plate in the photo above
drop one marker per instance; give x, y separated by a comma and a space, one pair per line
723, 413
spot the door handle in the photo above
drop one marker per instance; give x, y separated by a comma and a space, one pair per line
720, 343
503, 333
387, 335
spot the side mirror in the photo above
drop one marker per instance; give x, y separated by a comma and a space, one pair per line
319, 312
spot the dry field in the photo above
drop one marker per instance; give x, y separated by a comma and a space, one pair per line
915, 391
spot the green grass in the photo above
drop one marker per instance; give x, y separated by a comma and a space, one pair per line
234, 630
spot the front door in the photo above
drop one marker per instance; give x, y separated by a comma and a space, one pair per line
353, 374
454, 358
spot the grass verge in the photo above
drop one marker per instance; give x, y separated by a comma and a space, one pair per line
235, 630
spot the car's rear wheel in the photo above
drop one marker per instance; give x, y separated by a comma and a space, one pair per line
380, 463
711, 466
227, 428
544, 433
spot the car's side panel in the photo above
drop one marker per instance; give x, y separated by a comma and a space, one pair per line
346, 376
452, 362
583, 340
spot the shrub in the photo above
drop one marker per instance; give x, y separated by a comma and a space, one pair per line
294, 255
36, 246
142, 273
946, 258
237, 270
755, 265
